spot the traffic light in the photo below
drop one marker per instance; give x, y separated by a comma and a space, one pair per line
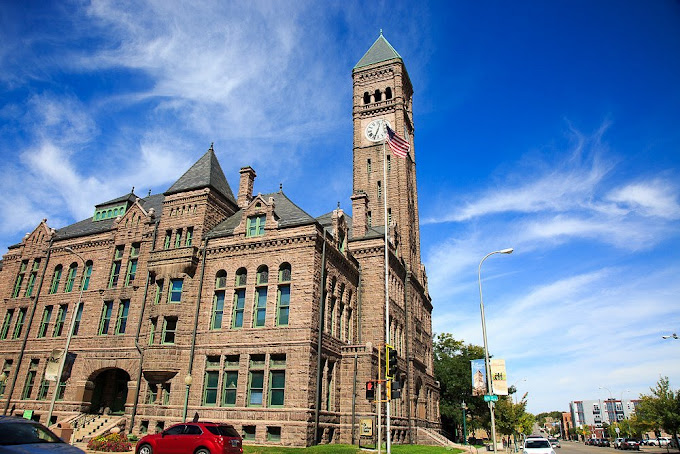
391, 362
370, 390
395, 388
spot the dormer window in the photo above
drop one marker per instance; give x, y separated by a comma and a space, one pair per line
255, 226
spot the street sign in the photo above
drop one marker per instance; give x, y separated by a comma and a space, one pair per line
366, 427
490, 398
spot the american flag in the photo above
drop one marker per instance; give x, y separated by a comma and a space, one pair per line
398, 145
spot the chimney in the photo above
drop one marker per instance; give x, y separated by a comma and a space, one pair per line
245, 186
359, 221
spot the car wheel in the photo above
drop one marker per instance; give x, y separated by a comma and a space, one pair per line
145, 449
202, 451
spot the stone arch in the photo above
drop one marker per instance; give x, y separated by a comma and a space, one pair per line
106, 390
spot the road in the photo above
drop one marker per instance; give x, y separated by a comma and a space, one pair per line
570, 447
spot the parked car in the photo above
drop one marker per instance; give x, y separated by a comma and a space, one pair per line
554, 442
194, 437
605, 442
661, 441
537, 446
630, 443
19, 435
618, 442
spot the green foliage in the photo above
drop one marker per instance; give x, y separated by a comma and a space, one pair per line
660, 409
110, 443
512, 417
452, 368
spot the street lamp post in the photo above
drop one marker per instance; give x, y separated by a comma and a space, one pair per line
464, 407
670, 336
486, 346
68, 338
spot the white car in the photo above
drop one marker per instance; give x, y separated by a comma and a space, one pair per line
538, 446
554, 442
661, 441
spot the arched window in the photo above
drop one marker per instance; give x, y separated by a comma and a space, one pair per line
377, 95
241, 277
221, 279
388, 93
283, 296
260, 312
72, 270
86, 275
367, 97
55, 279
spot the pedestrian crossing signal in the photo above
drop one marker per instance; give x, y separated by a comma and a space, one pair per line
370, 390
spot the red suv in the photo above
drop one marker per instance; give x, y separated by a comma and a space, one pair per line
193, 438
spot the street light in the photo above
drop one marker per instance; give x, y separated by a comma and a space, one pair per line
464, 407
486, 346
68, 338
672, 336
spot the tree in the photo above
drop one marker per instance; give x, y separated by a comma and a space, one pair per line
512, 418
452, 368
660, 409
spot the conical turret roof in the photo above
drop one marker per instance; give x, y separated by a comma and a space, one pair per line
380, 51
206, 172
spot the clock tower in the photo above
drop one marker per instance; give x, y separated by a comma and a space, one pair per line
383, 95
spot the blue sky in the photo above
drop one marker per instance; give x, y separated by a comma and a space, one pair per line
550, 127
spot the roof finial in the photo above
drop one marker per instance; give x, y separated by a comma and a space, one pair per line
381, 32
338, 205
133, 190
149, 194
211, 146
280, 187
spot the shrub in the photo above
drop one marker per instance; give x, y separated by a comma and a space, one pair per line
110, 443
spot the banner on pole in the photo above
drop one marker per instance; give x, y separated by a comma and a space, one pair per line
52, 368
499, 378
478, 377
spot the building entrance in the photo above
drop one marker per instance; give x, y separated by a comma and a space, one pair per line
110, 391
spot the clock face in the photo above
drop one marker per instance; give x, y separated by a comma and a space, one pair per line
376, 131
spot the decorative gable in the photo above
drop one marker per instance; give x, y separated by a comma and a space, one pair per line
257, 217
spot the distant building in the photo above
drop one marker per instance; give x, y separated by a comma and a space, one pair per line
594, 413
239, 307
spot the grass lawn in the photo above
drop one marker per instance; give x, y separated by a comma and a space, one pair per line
348, 449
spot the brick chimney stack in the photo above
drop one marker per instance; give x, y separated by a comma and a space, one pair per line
245, 186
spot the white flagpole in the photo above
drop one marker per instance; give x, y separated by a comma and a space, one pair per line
387, 296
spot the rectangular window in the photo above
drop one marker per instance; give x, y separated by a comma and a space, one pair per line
255, 225
85, 284
105, 319
178, 238
211, 380
131, 272
6, 369
165, 394
189, 237
152, 330
389, 164
134, 250
239, 305
6, 324
273, 434
61, 318
43, 389
255, 388
159, 291
331, 311
151, 393
379, 190
169, 329
369, 219
368, 166
341, 320
30, 379
389, 216
260, 306
61, 390
115, 267
79, 316
277, 380
166, 242
47, 314
71, 278
21, 317
248, 432
20, 278
231, 364
218, 310
175, 295
283, 305
121, 321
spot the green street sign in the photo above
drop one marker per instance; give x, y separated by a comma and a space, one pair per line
490, 398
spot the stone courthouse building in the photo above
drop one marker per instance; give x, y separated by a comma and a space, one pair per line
238, 306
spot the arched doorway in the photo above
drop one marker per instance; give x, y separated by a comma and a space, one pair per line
110, 391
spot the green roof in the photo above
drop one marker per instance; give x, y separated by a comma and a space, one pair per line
380, 51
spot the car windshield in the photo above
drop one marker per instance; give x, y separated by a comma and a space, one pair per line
20, 433
225, 431
534, 443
